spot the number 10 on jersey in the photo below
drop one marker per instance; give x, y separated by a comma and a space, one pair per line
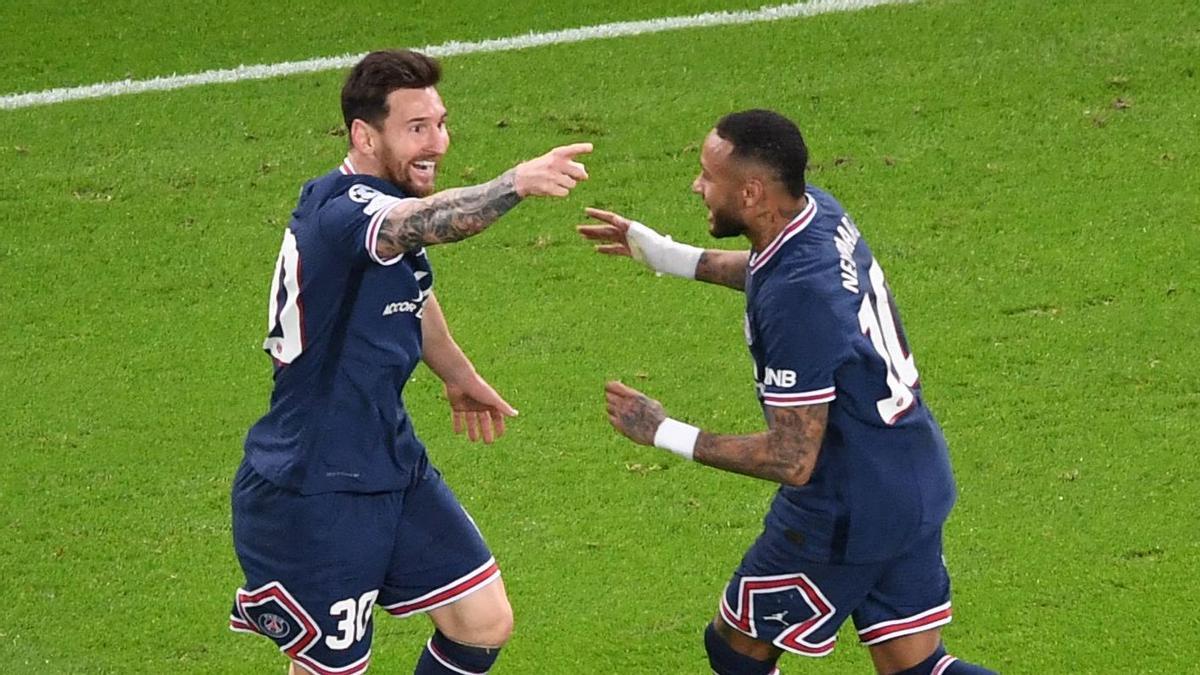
878, 322
285, 336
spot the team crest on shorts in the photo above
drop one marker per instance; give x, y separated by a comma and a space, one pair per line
273, 625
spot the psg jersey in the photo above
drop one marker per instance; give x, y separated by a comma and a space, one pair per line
344, 334
822, 327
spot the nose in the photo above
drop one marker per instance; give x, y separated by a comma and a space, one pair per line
696, 186
441, 141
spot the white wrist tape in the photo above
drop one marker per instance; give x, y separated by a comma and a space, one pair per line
661, 254
677, 437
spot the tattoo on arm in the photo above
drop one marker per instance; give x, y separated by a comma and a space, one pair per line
724, 268
447, 216
786, 454
640, 422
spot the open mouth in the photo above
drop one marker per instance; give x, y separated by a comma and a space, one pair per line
424, 170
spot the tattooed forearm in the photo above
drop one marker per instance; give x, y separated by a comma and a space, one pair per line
786, 454
447, 216
725, 268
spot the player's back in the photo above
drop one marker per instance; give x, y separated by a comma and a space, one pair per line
824, 328
344, 336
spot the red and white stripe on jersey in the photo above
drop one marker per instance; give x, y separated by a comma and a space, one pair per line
240, 625
309, 635
372, 238
359, 666
441, 658
800, 398
790, 230
887, 630
793, 637
942, 664
460, 587
373, 232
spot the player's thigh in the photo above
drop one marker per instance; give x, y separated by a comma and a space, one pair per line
794, 604
443, 566
900, 618
313, 567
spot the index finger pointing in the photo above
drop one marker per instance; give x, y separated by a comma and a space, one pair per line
572, 150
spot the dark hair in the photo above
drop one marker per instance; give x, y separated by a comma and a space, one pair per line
767, 137
364, 96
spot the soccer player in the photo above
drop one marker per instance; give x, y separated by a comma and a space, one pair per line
336, 506
855, 529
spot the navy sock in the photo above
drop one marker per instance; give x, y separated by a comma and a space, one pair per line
443, 655
941, 663
727, 661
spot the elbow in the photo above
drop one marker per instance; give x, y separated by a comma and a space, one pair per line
796, 475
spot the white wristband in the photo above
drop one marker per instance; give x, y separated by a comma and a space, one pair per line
661, 254
676, 436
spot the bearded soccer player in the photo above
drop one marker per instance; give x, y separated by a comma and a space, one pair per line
855, 529
336, 507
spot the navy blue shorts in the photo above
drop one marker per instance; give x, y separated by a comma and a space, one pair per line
798, 605
316, 565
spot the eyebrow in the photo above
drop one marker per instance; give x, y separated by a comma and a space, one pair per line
425, 118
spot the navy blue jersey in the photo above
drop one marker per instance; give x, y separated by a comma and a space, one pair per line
344, 333
823, 328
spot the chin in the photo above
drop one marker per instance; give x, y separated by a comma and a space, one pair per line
725, 230
414, 190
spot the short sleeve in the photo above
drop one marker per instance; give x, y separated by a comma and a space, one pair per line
802, 345
350, 222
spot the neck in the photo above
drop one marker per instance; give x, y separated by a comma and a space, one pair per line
767, 224
364, 163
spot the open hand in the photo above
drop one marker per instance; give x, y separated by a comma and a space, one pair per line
632, 413
612, 235
477, 409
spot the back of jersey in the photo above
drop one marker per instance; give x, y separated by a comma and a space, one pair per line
823, 328
344, 334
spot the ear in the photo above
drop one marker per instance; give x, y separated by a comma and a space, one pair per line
753, 192
362, 136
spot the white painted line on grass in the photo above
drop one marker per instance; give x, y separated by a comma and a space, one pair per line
453, 48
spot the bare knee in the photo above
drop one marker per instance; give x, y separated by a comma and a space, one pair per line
481, 619
905, 652
744, 644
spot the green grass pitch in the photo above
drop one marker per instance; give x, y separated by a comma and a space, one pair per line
1026, 170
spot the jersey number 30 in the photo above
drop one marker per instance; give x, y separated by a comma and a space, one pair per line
878, 322
285, 337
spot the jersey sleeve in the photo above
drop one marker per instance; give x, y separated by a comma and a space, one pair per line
350, 222
803, 347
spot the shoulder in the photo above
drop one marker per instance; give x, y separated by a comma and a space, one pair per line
345, 203
361, 193
337, 189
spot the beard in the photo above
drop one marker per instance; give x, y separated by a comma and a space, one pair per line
725, 225
396, 172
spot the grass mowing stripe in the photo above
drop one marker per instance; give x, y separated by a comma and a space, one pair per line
453, 48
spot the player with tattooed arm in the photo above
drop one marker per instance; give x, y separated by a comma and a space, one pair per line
855, 529
336, 507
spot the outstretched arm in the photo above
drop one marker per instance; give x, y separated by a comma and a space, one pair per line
459, 213
786, 453
622, 236
447, 216
724, 268
475, 406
